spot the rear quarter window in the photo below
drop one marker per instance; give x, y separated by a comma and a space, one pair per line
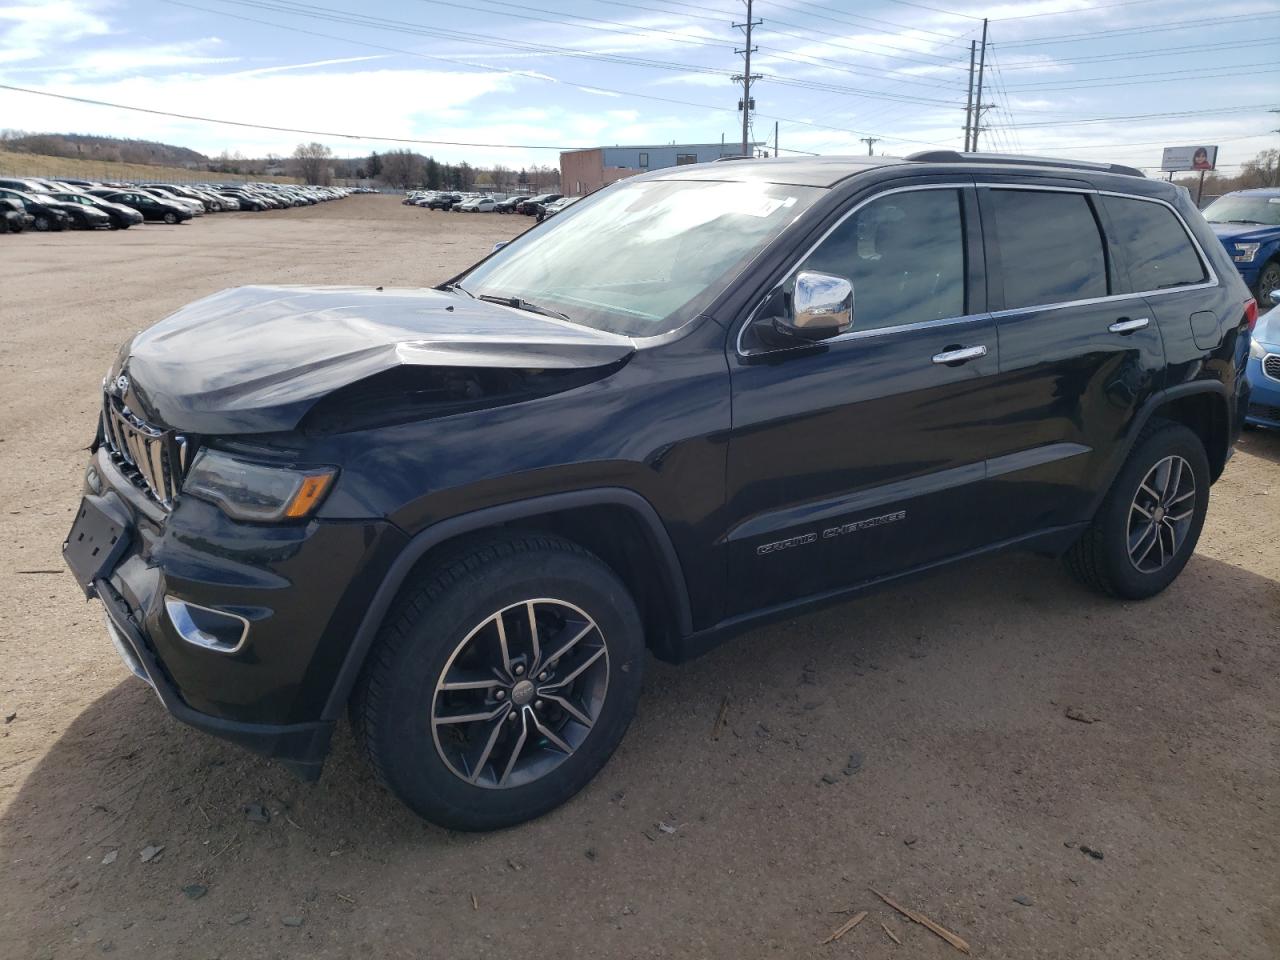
1153, 244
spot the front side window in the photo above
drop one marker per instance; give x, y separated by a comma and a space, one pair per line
904, 253
1155, 246
641, 258
1050, 247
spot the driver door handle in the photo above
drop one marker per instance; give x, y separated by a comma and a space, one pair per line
960, 355
1125, 325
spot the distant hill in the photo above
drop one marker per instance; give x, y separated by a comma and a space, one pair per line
101, 149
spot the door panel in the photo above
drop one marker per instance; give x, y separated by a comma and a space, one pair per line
862, 456
1072, 374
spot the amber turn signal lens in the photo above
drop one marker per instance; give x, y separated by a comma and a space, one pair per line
309, 495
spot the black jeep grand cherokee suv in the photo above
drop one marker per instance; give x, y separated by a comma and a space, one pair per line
696, 400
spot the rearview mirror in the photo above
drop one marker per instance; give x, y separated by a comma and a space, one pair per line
499, 245
821, 307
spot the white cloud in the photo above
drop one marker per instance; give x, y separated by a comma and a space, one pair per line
28, 30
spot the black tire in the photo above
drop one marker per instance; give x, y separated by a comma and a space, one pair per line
1100, 559
394, 704
43, 224
170, 217
1268, 280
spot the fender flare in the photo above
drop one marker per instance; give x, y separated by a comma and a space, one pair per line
1153, 403
437, 533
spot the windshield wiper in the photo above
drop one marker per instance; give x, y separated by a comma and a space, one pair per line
1258, 222
525, 305
460, 289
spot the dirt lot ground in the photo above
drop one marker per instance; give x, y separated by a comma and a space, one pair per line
974, 797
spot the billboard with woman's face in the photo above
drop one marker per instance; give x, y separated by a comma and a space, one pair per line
1189, 158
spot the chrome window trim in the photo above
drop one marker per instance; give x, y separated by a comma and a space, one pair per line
1213, 280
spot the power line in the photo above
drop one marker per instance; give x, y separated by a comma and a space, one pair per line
1135, 79
1143, 30
316, 12
1146, 116
543, 77
1077, 11
925, 6
1139, 55
277, 129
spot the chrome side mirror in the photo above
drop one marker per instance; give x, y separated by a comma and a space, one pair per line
1274, 296
821, 307
499, 245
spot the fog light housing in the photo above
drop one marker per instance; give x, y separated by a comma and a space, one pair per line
205, 627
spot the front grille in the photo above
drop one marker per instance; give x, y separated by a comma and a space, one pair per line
1271, 365
153, 459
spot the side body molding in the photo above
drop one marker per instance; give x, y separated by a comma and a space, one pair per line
437, 533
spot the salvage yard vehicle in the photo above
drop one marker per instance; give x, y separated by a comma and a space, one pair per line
1264, 368
698, 400
14, 215
1248, 224
151, 207
119, 216
46, 215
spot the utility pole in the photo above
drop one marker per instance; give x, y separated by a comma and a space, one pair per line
869, 141
775, 139
977, 103
746, 78
968, 107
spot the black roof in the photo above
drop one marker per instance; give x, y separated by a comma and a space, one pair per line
828, 171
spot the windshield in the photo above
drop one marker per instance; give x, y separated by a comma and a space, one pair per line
641, 258
1264, 210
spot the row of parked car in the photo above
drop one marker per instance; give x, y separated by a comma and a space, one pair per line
541, 205
41, 204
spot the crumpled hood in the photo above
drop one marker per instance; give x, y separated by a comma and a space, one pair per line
255, 359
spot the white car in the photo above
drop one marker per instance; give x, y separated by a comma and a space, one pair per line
477, 205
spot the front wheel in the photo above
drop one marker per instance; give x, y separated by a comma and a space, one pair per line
501, 683
1268, 280
170, 218
1147, 527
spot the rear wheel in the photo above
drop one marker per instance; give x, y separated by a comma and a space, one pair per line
501, 683
1147, 527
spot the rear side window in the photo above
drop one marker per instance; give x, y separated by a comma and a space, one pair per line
1050, 247
1153, 243
905, 256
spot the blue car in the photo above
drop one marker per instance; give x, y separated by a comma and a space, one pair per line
1264, 370
1248, 224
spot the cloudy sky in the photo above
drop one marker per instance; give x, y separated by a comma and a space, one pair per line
1097, 79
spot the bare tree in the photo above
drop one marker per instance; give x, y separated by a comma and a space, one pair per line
311, 160
402, 168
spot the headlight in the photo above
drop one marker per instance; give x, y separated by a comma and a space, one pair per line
1257, 350
1245, 252
254, 491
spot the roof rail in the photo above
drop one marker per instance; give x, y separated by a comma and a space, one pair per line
955, 156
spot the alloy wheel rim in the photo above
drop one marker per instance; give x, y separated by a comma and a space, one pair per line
520, 694
1161, 513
